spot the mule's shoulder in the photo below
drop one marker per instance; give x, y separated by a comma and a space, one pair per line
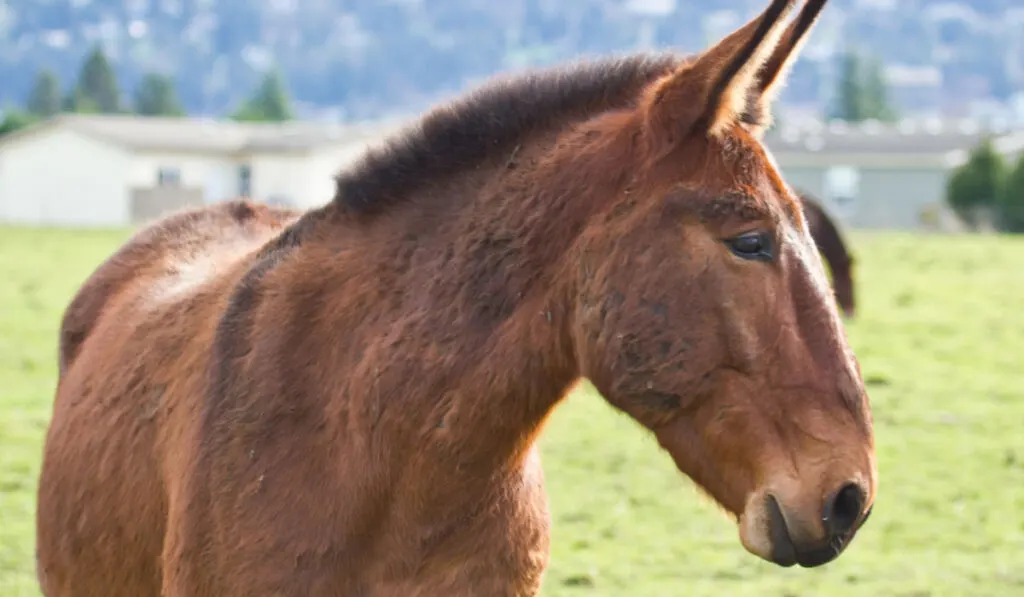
232, 337
173, 238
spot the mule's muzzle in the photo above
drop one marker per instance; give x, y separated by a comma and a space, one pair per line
842, 515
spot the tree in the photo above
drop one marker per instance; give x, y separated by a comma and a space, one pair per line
269, 103
78, 102
862, 92
876, 92
977, 184
1010, 210
15, 120
849, 101
44, 100
156, 96
97, 85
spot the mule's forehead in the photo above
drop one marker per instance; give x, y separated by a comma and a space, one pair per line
755, 172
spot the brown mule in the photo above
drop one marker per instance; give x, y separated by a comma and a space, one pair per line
830, 244
347, 402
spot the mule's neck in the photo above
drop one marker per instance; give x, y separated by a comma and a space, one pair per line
462, 331
466, 292
512, 383
511, 287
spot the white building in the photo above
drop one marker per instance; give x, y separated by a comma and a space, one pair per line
85, 170
874, 175
113, 170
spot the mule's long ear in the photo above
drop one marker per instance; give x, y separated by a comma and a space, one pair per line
772, 76
711, 92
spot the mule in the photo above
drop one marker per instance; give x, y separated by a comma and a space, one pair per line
347, 401
830, 244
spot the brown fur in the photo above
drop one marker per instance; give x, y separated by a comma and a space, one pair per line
348, 402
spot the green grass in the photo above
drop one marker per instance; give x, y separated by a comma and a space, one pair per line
940, 336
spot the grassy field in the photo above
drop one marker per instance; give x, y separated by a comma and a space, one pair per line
940, 336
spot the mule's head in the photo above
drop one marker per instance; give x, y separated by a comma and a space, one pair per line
705, 314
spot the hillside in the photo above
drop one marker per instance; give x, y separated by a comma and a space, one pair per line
365, 57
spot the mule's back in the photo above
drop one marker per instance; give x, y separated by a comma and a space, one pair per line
130, 334
157, 251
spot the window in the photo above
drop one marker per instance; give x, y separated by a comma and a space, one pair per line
280, 200
168, 177
842, 186
245, 181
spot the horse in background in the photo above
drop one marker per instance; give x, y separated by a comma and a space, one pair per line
830, 244
254, 401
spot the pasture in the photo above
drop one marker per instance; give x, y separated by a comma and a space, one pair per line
940, 338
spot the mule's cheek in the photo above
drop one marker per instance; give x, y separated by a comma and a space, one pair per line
651, 378
713, 469
637, 359
683, 445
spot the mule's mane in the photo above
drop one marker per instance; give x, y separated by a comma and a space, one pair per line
466, 132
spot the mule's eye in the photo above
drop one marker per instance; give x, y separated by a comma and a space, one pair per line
751, 245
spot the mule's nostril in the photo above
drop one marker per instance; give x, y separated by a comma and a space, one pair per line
843, 510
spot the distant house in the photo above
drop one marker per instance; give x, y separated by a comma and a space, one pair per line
113, 170
92, 170
881, 176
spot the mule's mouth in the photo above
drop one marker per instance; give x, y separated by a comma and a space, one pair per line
785, 553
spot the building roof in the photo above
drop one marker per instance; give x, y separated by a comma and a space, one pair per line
935, 137
939, 142
209, 135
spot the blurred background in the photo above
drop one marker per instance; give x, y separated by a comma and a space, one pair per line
903, 119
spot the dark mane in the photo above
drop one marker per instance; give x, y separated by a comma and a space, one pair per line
464, 133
